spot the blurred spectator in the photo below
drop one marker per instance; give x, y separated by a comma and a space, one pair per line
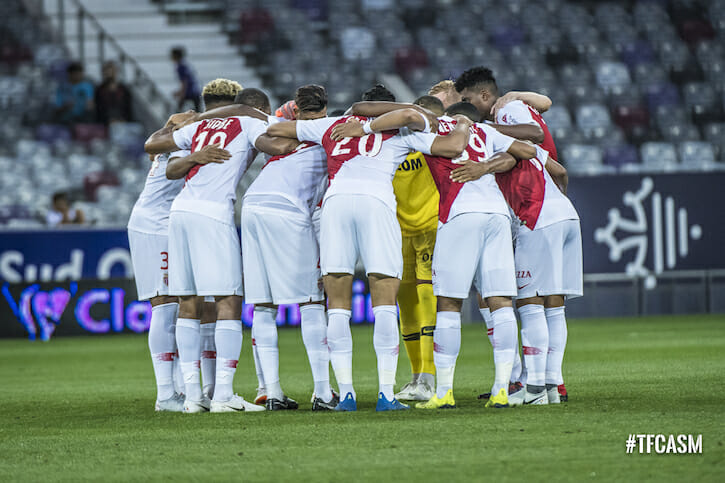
113, 99
189, 87
357, 43
74, 97
62, 214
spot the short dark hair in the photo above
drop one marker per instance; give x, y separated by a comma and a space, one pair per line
253, 97
431, 103
311, 98
178, 52
60, 195
477, 76
74, 67
465, 108
378, 93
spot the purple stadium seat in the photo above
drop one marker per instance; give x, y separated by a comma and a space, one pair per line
504, 37
636, 53
662, 95
87, 132
620, 155
627, 117
52, 133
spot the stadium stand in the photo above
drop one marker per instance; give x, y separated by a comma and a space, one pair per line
638, 86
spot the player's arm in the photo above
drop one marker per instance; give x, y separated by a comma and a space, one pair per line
410, 118
472, 170
162, 141
522, 150
378, 108
526, 132
558, 174
276, 146
283, 130
228, 111
538, 101
179, 166
453, 144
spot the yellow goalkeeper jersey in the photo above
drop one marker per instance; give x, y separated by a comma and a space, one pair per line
417, 196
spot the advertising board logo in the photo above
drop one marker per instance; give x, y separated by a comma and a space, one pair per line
666, 232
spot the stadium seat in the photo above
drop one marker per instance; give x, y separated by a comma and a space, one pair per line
618, 156
701, 98
592, 116
557, 117
87, 132
582, 159
612, 74
659, 156
697, 155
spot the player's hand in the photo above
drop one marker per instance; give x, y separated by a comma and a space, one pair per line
460, 118
350, 129
287, 111
210, 154
469, 170
180, 118
502, 101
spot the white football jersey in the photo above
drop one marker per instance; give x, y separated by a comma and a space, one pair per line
151, 212
300, 177
364, 165
210, 189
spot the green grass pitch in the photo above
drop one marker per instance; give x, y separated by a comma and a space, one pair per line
82, 409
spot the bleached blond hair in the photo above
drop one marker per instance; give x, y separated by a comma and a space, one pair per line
219, 89
443, 86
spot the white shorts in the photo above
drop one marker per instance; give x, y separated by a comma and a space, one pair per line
474, 248
150, 257
204, 256
549, 260
280, 257
353, 225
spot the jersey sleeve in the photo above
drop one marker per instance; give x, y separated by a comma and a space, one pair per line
542, 155
515, 112
183, 137
418, 141
497, 142
314, 129
254, 127
182, 153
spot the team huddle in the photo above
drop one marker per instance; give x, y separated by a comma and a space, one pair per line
460, 188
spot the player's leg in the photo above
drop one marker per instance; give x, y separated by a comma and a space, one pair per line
495, 279
208, 347
567, 262
535, 344
314, 335
188, 340
149, 255
426, 308
556, 323
457, 253
409, 326
261, 396
378, 235
338, 254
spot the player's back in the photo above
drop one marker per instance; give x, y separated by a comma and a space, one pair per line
151, 212
211, 188
364, 165
300, 177
479, 195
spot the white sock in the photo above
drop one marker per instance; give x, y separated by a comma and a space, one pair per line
228, 340
556, 321
265, 336
314, 335
534, 342
178, 375
257, 363
162, 344
339, 339
486, 314
446, 346
188, 340
208, 358
505, 344
386, 341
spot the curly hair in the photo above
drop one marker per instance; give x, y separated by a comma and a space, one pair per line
476, 76
220, 90
378, 93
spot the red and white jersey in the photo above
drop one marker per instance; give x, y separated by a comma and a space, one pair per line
364, 165
528, 187
210, 189
480, 196
151, 212
300, 177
